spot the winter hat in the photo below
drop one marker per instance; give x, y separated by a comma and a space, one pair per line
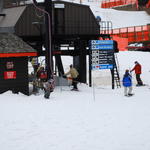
127, 70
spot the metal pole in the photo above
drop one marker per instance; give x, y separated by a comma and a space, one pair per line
113, 82
48, 36
90, 69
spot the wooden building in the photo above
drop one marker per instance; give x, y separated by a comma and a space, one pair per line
14, 55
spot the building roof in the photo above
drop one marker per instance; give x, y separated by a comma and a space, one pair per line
8, 22
13, 46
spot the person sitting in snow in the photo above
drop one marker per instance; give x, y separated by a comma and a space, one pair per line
127, 83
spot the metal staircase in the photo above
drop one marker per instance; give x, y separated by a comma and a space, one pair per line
116, 72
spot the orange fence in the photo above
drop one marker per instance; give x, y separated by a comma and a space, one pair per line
134, 34
113, 3
148, 4
122, 43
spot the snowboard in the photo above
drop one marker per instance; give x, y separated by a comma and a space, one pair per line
130, 95
70, 90
141, 85
74, 90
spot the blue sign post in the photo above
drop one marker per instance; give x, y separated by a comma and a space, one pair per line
102, 52
101, 42
102, 47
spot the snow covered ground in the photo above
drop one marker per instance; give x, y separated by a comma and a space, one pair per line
96, 118
122, 19
118, 18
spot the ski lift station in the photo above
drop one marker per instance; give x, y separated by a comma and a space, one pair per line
71, 27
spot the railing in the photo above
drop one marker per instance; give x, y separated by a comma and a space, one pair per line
105, 25
134, 34
113, 3
148, 4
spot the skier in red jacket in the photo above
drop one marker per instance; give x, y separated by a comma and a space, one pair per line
138, 70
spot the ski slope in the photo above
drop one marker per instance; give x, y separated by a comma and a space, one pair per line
96, 118
118, 18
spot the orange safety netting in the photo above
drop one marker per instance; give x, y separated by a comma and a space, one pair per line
122, 43
148, 4
113, 3
134, 34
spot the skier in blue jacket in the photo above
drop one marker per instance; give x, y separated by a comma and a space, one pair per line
127, 83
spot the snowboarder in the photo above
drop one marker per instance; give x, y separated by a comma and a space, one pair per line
127, 83
138, 70
74, 75
48, 88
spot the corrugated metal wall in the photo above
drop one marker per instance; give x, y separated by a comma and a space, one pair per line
74, 19
78, 19
30, 23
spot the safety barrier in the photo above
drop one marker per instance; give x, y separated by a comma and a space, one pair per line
148, 4
134, 34
113, 3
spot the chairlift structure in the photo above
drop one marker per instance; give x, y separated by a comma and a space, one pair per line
73, 25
